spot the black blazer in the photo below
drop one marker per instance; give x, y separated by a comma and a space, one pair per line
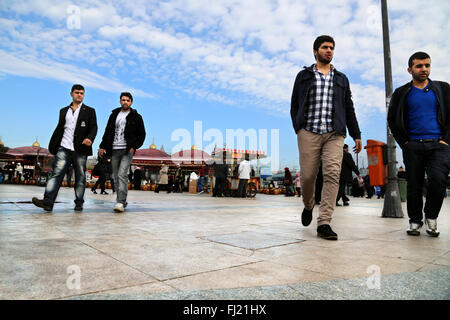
134, 131
86, 128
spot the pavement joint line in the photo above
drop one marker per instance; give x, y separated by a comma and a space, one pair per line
104, 253
105, 290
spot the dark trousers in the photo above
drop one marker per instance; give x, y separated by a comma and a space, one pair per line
242, 188
100, 181
137, 184
341, 192
432, 158
219, 187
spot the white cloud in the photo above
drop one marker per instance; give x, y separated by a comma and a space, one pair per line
57, 71
229, 51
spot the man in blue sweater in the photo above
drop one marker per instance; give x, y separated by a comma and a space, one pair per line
419, 118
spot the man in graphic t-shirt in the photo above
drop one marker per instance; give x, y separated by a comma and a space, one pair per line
124, 134
419, 118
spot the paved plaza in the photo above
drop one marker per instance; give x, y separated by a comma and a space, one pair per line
193, 246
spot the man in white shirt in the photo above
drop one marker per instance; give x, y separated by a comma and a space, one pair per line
244, 175
124, 134
71, 143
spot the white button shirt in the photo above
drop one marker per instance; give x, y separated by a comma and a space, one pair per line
69, 128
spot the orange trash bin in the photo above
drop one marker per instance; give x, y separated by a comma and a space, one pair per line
377, 158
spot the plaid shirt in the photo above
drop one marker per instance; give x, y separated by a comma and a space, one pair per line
319, 106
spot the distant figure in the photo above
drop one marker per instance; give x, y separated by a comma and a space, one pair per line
419, 118
179, 179
288, 182
201, 177
100, 171
220, 174
401, 174
369, 189
137, 178
19, 170
244, 176
348, 165
163, 182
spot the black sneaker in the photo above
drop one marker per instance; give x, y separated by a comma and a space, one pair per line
346, 204
338, 204
78, 207
306, 217
325, 231
104, 192
41, 204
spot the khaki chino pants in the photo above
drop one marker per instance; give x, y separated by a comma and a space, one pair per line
314, 148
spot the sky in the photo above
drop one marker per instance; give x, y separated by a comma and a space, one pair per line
223, 64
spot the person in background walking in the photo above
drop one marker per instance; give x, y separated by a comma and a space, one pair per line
137, 178
244, 176
100, 171
220, 174
288, 182
348, 165
163, 182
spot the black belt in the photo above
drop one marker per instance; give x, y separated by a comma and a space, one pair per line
427, 140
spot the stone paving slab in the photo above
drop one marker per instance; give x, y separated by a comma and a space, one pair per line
189, 246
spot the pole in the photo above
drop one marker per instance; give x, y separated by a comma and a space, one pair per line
392, 203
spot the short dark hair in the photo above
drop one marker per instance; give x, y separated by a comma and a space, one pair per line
321, 39
345, 146
418, 55
77, 87
126, 94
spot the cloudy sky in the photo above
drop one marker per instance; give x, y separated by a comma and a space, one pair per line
230, 64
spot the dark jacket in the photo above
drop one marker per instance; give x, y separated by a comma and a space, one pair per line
348, 165
86, 128
134, 131
344, 112
220, 170
287, 181
397, 114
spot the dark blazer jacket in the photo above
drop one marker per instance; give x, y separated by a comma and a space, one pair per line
344, 113
134, 131
86, 128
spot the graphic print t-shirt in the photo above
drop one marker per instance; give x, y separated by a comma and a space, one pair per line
119, 136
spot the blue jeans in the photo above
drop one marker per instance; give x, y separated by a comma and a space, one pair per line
64, 157
432, 158
200, 183
120, 162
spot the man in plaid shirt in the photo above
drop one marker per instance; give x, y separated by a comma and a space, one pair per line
321, 111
